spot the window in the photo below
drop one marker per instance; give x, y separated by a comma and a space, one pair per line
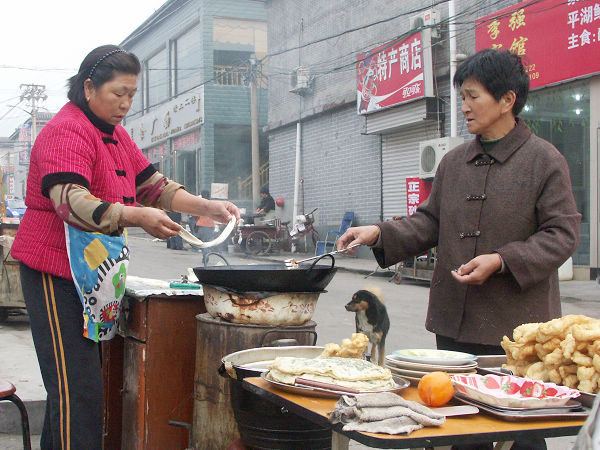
157, 76
561, 115
188, 60
231, 67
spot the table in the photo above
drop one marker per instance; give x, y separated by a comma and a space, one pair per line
456, 430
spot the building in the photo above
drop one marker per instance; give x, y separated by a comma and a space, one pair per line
359, 141
191, 115
14, 156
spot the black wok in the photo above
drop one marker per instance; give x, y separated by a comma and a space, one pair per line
268, 277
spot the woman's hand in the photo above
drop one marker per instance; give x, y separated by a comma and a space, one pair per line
478, 270
221, 211
218, 210
153, 221
366, 235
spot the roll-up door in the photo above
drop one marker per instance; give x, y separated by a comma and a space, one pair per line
400, 159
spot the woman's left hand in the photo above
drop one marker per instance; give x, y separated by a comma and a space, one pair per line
478, 270
222, 210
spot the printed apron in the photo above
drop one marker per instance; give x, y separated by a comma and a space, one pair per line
99, 267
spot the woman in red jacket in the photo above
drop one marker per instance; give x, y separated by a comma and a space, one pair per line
86, 172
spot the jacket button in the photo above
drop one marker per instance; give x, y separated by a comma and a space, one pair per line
477, 233
462, 235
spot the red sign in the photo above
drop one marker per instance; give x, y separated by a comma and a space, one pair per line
417, 191
558, 39
390, 74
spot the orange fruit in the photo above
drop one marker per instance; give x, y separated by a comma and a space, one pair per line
435, 388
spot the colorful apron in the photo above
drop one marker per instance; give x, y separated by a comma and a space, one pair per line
99, 267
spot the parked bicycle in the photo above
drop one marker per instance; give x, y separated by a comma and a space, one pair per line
275, 235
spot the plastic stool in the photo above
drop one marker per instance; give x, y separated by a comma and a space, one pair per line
7, 392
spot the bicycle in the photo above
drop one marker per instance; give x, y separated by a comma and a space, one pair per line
276, 235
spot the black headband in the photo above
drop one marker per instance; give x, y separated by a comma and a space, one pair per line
93, 69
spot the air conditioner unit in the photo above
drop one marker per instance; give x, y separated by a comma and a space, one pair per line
299, 80
431, 153
426, 18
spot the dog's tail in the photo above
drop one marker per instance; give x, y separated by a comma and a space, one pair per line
375, 291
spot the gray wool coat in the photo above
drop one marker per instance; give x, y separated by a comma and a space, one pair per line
516, 201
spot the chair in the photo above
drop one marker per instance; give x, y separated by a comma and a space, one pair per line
7, 392
328, 244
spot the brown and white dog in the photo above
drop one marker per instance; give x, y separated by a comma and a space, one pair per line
371, 319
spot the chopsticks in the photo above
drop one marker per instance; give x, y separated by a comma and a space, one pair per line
291, 262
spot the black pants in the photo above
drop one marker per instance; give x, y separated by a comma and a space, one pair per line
69, 363
447, 343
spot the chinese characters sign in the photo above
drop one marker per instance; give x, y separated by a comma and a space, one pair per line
558, 39
393, 73
417, 191
171, 119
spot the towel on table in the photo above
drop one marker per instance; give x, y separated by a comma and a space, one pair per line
383, 412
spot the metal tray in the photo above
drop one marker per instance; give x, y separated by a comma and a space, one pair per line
530, 414
329, 393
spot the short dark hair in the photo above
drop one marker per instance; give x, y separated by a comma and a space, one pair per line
103, 63
499, 71
264, 190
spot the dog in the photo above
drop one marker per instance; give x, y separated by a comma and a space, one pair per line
371, 319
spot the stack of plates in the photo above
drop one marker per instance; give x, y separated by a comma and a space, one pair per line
412, 364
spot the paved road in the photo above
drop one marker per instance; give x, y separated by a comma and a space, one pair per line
406, 303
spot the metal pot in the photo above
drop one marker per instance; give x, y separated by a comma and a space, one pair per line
268, 277
260, 308
254, 361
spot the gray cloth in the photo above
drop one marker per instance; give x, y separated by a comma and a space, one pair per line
383, 412
589, 435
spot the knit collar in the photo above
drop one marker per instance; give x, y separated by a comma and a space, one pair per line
505, 147
103, 126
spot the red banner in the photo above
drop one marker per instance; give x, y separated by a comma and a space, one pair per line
558, 39
390, 74
417, 191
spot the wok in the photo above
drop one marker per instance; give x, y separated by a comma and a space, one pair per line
268, 277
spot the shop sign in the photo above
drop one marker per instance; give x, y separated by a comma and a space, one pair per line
11, 184
171, 119
559, 40
24, 141
417, 191
394, 73
157, 152
219, 190
189, 141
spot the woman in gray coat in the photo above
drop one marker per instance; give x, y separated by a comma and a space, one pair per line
501, 213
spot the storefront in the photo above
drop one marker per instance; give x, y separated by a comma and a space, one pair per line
563, 67
395, 93
170, 136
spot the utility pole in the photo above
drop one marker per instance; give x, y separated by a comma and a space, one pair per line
33, 93
253, 75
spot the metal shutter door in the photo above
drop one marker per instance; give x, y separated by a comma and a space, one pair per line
400, 159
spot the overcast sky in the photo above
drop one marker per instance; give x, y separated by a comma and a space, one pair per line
44, 42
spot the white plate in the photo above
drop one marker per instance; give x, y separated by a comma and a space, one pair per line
401, 383
392, 362
432, 356
418, 373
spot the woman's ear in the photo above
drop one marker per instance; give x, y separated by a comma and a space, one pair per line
508, 101
88, 88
